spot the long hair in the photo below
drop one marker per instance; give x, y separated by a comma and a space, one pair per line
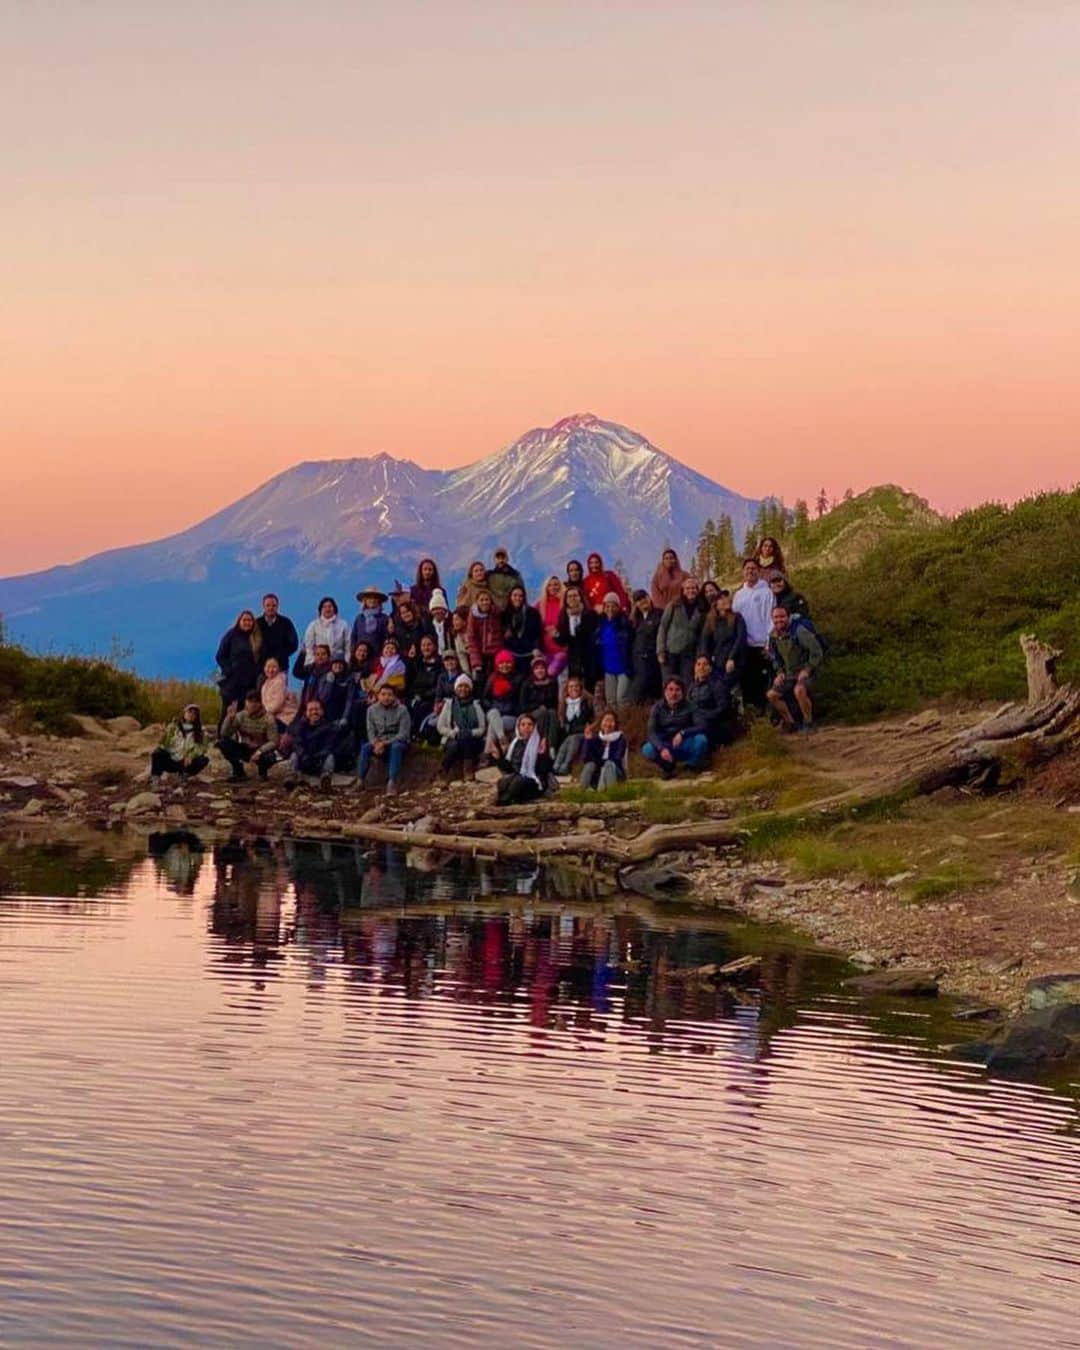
778, 552
255, 636
196, 722
435, 578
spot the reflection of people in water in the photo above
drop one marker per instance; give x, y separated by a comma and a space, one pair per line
178, 857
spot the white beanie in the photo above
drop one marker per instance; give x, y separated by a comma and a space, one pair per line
438, 599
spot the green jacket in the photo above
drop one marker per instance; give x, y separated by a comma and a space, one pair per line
679, 632
795, 650
258, 732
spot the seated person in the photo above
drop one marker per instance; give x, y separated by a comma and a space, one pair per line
318, 677
525, 765
314, 741
794, 654
500, 699
605, 754
338, 693
423, 682
409, 626
675, 736
575, 713
389, 669
462, 725
389, 728
278, 699
183, 747
249, 733
708, 695
540, 696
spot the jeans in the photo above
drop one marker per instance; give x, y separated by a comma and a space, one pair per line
694, 748
314, 765
568, 752
679, 666
616, 689
395, 753
609, 773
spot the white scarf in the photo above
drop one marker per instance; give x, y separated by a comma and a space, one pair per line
609, 738
575, 623
573, 708
528, 759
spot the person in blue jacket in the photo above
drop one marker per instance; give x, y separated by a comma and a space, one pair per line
614, 638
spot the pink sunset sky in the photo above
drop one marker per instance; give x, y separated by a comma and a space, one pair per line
822, 242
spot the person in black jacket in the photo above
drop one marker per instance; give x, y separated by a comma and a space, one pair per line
540, 696
576, 633
675, 735
525, 765
723, 641
708, 695
785, 595
644, 664
424, 676
408, 627
238, 656
279, 636
523, 631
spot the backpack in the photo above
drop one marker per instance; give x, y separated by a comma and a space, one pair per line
799, 623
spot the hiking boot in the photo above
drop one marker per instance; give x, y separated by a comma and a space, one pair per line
326, 782
667, 771
391, 789
469, 774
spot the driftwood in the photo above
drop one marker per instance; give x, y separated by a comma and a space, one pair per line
648, 844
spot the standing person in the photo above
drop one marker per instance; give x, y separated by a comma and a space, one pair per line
439, 622
667, 580
680, 632
723, 640
644, 663
575, 714
319, 680
389, 728
550, 607
709, 591
783, 593
313, 743
523, 633
675, 735
279, 639
371, 624
427, 581
600, 582
249, 734
475, 582
463, 727
502, 578
484, 635
459, 627
754, 601
605, 754
576, 634
769, 558
575, 573
278, 699
795, 655
327, 629
525, 765
239, 659
182, 749
613, 636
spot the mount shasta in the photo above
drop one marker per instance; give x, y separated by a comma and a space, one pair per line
331, 526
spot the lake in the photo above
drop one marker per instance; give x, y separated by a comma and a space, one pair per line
306, 1095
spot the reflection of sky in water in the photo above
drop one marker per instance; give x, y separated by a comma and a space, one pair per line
245, 1099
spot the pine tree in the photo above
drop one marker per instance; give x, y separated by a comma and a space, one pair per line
849, 494
822, 503
726, 557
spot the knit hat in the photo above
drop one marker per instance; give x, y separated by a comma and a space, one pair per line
502, 656
611, 599
438, 600
463, 680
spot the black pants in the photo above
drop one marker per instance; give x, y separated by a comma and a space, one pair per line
238, 754
461, 750
755, 677
646, 687
514, 789
680, 666
162, 762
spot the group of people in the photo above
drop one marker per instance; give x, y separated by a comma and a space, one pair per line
534, 688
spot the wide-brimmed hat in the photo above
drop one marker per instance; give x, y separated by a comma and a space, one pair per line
372, 593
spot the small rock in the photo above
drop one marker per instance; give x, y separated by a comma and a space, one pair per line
90, 726
900, 983
488, 775
1007, 966
867, 960
1049, 991
19, 781
141, 803
123, 726
898, 879
33, 807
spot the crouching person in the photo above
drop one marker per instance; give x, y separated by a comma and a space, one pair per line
525, 765
605, 754
462, 727
795, 655
675, 734
182, 749
389, 728
314, 741
249, 734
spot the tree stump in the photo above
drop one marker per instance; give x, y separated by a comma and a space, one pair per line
1041, 666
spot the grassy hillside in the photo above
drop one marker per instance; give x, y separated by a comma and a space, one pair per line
854, 527
935, 611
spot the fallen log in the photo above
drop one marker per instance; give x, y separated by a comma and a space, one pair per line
648, 844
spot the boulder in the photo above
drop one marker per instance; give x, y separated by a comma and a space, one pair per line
898, 983
90, 726
142, 803
33, 807
19, 781
1050, 990
123, 726
1047, 1036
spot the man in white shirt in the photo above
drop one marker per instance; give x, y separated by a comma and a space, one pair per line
754, 601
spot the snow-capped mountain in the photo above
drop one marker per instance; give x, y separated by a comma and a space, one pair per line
333, 525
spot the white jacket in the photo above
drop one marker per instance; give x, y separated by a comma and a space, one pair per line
755, 604
333, 633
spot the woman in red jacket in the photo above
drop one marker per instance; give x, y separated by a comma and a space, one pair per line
599, 582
